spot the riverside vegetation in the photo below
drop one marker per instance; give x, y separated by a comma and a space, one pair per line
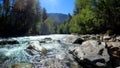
26, 17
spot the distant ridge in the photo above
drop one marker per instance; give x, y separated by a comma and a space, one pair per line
58, 17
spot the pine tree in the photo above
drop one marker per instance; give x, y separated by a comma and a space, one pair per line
44, 15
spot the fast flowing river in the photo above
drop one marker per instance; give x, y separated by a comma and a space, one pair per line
57, 52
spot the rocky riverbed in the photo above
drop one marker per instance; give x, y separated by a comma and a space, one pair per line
60, 51
96, 51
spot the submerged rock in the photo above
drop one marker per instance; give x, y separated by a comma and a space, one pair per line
22, 65
30, 47
4, 42
42, 41
48, 38
35, 49
44, 51
3, 59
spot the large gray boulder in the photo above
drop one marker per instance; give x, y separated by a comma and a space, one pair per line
93, 51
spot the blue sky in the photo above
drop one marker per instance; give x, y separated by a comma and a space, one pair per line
58, 6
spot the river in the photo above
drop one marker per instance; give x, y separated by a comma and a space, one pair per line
57, 51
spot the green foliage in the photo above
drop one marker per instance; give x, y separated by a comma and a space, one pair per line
21, 17
82, 22
50, 23
44, 15
25, 17
108, 14
91, 16
64, 28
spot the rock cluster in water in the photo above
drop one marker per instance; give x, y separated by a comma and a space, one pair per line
97, 51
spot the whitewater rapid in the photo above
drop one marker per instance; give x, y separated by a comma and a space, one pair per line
17, 53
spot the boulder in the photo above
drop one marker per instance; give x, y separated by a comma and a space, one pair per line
78, 41
42, 41
85, 37
59, 41
96, 54
114, 53
113, 44
48, 38
31, 50
93, 37
118, 38
44, 51
35, 48
92, 53
91, 49
35, 45
30, 47
4, 42
106, 38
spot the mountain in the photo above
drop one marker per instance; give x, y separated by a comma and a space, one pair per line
58, 17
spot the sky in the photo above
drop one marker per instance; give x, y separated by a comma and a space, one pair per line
58, 6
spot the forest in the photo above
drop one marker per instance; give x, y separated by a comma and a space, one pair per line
93, 17
27, 17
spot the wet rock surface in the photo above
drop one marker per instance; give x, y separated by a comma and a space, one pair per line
97, 51
22, 65
78, 41
91, 54
4, 42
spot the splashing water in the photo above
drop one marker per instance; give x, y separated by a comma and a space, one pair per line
57, 52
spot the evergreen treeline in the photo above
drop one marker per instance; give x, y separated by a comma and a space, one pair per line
21, 17
93, 16
26, 17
